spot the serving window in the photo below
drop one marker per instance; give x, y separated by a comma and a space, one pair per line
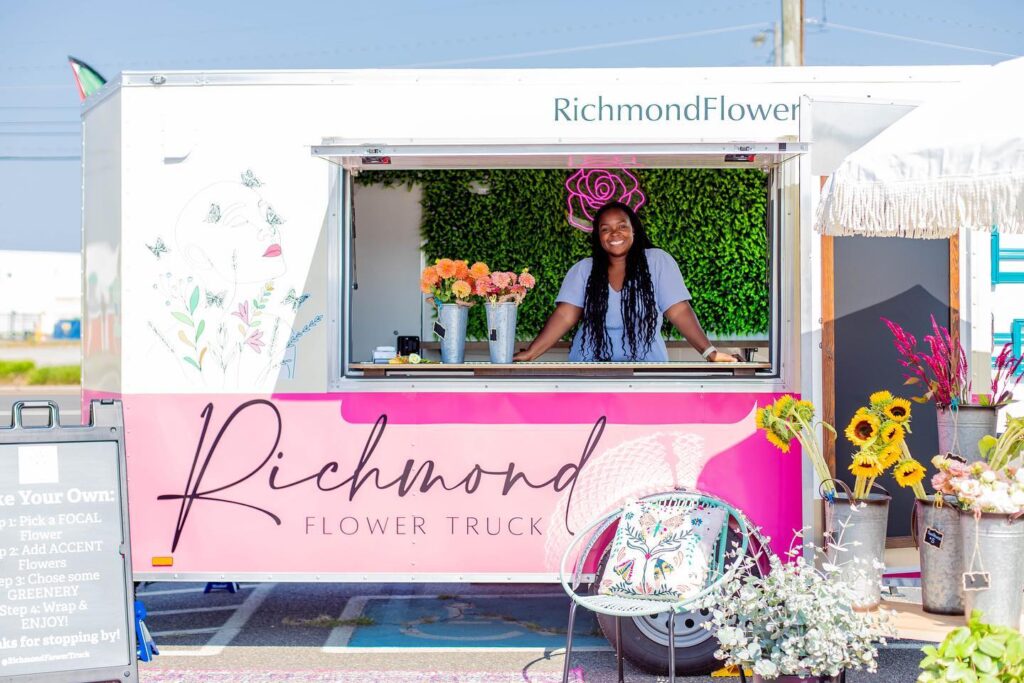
717, 215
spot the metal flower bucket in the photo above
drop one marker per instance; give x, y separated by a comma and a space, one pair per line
998, 561
501, 330
940, 547
960, 430
859, 528
450, 329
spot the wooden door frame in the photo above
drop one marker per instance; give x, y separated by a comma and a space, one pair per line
828, 344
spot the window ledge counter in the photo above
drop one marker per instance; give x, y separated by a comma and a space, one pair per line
556, 369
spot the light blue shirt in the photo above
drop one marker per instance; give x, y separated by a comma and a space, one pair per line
669, 289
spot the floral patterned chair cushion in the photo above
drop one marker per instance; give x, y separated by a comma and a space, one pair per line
662, 552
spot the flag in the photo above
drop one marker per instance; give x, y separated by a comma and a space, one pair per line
86, 78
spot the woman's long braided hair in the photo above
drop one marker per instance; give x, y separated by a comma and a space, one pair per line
639, 309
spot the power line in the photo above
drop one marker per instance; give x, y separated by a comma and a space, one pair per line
585, 48
923, 41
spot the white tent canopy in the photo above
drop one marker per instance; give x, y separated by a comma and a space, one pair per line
957, 161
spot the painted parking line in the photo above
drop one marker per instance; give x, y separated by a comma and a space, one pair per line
464, 623
184, 632
189, 610
223, 635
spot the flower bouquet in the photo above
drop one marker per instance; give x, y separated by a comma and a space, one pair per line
502, 292
879, 430
449, 285
787, 419
795, 621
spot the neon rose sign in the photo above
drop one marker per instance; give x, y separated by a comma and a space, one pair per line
591, 188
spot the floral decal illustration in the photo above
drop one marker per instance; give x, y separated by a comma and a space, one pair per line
591, 188
225, 321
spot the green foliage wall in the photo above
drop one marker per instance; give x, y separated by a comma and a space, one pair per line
712, 221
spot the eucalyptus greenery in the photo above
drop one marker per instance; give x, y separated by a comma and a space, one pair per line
712, 221
976, 653
796, 620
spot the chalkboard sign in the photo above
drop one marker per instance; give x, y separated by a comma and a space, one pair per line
65, 566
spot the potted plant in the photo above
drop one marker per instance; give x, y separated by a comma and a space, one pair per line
502, 292
879, 431
449, 286
796, 623
978, 653
991, 496
962, 418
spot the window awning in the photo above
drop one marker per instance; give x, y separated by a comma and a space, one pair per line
558, 154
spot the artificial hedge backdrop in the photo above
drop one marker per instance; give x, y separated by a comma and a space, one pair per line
711, 220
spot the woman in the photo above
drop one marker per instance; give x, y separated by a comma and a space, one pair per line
621, 294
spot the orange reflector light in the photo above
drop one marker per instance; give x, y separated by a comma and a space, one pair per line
167, 561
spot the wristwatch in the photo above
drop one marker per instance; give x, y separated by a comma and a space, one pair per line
708, 351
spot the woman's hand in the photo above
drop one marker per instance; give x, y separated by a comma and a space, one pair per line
719, 357
524, 356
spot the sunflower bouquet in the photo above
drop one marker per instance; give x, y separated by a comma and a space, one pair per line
787, 419
880, 430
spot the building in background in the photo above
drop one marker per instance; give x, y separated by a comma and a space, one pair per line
40, 294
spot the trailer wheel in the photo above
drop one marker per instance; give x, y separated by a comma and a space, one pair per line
645, 642
645, 639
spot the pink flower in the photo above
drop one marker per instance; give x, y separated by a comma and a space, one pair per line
591, 188
243, 312
255, 341
527, 280
501, 280
483, 285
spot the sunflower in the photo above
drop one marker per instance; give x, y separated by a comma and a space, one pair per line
762, 417
908, 473
898, 410
890, 455
781, 443
783, 405
863, 429
805, 409
893, 432
866, 465
880, 398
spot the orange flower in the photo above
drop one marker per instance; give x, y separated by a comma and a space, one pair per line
426, 287
445, 268
461, 270
479, 270
461, 289
430, 276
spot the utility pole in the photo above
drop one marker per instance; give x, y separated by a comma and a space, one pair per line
792, 32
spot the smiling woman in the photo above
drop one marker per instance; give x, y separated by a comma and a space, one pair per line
620, 295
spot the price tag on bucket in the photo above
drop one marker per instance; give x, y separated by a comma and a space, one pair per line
977, 581
933, 537
439, 330
494, 335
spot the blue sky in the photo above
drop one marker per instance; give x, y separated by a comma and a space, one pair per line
39, 111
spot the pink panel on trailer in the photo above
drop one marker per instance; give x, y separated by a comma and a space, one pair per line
407, 483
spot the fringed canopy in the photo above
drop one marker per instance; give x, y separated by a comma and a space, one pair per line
956, 162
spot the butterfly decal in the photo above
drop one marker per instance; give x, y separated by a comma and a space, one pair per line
250, 180
625, 570
295, 300
158, 248
213, 215
662, 569
273, 218
215, 298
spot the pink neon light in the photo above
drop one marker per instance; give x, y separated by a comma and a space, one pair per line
591, 188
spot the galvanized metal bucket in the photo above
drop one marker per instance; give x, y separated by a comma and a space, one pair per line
1000, 555
501, 330
960, 430
450, 328
859, 527
940, 547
